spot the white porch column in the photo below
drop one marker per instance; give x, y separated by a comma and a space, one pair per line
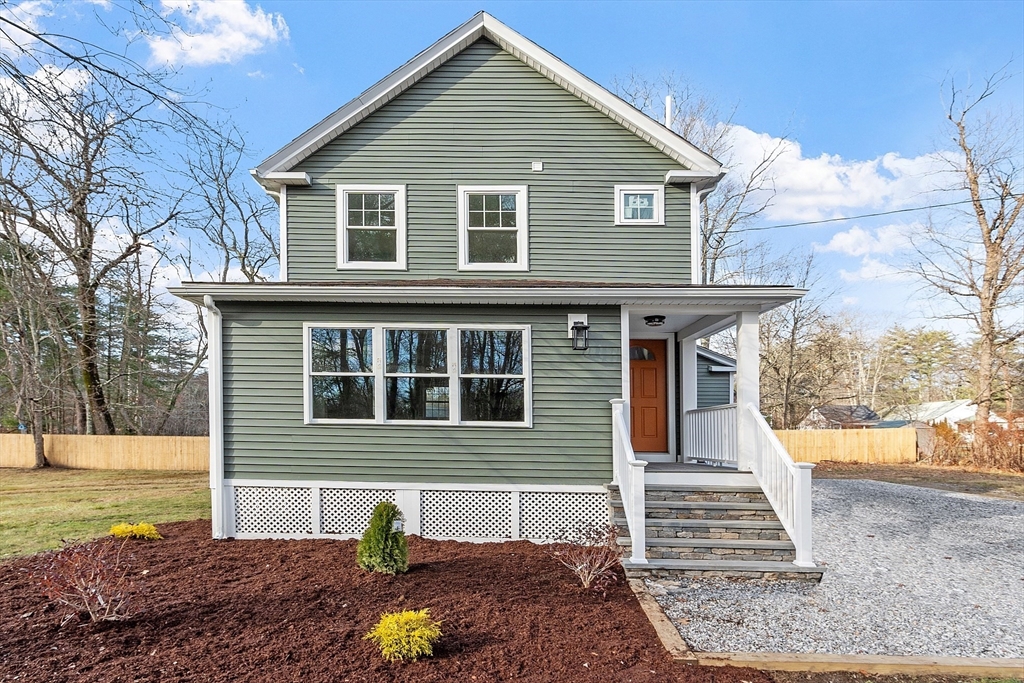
687, 387
748, 387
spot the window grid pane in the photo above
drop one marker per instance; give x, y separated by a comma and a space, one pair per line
638, 206
492, 211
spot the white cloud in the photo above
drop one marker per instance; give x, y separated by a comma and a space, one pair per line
858, 241
299, 68
850, 300
215, 32
256, 74
872, 269
43, 125
829, 186
14, 41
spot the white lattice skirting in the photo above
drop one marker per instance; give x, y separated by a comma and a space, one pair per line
257, 509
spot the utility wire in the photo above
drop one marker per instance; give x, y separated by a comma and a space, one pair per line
853, 218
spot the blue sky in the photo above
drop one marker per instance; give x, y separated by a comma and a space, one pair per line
855, 87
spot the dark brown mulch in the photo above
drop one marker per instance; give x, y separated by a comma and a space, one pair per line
297, 611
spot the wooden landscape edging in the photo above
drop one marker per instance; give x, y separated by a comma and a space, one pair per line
916, 665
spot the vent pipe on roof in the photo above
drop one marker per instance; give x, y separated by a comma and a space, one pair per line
668, 111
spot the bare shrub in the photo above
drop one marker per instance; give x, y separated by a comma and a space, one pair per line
89, 578
592, 554
1005, 449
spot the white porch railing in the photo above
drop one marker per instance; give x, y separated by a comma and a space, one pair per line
628, 473
785, 483
709, 436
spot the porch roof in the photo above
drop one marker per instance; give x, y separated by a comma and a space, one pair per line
724, 298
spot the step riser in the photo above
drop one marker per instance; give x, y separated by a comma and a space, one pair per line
718, 554
702, 514
695, 497
723, 534
654, 573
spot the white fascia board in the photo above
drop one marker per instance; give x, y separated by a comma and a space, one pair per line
484, 25
716, 357
272, 182
702, 181
708, 299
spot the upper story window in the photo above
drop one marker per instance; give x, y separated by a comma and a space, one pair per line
639, 205
493, 232
371, 227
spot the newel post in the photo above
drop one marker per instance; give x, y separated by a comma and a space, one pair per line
618, 457
802, 514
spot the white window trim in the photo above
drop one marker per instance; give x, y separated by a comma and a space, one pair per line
659, 204
522, 226
454, 374
341, 195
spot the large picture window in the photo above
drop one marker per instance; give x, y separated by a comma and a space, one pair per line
493, 232
414, 374
371, 227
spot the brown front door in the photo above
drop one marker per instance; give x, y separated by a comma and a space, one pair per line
648, 395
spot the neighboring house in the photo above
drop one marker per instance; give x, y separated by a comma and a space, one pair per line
489, 294
934, 412
840, 417
716, 375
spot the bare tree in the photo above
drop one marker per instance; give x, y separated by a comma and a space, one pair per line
976, 258
74, 158
745, 192
237, 222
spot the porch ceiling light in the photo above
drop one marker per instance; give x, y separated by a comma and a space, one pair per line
654, 320
580, 336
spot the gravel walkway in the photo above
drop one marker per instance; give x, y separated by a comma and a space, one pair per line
910, 571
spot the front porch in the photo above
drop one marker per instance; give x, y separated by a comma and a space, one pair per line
722, 497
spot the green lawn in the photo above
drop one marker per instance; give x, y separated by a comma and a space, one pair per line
38, 508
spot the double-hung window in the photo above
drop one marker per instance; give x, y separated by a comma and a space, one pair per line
418, 374
371, 227
639, 205
493, 231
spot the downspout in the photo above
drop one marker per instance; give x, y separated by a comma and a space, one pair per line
215, 370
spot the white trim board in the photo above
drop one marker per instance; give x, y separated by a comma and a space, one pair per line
522, 228
418, 486
342, 262
483, 25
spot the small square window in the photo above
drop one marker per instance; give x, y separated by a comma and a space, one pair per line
492, 228
371, 227
639, 205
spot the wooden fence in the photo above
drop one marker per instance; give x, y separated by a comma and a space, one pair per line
851, 445
193, 452
109, 452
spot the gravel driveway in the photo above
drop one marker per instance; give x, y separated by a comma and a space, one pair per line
910, 571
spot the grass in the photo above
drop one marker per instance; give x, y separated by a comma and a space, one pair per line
39, 508
986, 483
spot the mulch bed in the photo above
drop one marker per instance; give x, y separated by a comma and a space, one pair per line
297, 611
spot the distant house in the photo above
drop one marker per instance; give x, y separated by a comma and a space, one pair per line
935, 412
840, 417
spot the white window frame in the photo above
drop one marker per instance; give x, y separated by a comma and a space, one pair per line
522, 226
341, 201
659, 204
454, 374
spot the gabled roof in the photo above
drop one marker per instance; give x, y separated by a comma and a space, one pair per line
698, 164
927, 412
715, 357
847, 414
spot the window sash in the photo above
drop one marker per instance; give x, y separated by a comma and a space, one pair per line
520, 229
658, 205
346, 232
453, 374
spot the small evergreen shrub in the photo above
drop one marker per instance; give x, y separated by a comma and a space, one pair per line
383, 547
92, 579
143, 530
405, 635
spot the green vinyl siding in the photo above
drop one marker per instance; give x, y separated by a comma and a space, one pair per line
712, 387
569, 443
481, 119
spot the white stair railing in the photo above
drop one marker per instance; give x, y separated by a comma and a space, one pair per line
628, 473
785, 483
709, 435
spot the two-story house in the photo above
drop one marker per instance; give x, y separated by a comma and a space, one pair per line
488, 313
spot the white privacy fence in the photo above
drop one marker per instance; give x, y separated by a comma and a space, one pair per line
629, 475
709, 436
785, 483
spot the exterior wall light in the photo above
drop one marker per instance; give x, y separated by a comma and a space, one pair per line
654, 320
580, 335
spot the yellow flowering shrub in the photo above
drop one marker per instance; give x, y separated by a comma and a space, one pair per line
405, 635
143, 530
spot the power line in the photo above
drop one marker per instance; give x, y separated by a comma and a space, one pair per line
853, 218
